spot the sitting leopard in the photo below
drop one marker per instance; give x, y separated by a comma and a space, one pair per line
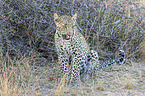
74, 54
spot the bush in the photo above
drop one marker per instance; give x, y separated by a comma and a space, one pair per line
107, 25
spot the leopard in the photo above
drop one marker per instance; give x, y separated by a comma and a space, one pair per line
75, 57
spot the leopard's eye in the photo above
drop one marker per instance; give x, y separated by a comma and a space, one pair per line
57, 20
65, 26
66, 37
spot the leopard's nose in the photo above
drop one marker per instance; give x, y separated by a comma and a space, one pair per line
68, 37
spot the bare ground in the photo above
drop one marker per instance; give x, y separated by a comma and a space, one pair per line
123, 80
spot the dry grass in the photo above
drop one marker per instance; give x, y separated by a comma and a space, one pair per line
26, 79
23, 77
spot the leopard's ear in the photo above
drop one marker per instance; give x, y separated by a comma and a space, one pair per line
74, 17
56, 18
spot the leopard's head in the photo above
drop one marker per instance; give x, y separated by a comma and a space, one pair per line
65, 25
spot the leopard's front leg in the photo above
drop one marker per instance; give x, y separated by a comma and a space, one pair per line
63, 58
78, 60
63, 61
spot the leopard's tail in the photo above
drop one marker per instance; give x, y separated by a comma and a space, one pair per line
119, 60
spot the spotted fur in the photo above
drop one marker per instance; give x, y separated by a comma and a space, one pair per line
74, 55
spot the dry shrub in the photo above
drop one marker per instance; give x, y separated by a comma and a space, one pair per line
107, 25
142, 50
